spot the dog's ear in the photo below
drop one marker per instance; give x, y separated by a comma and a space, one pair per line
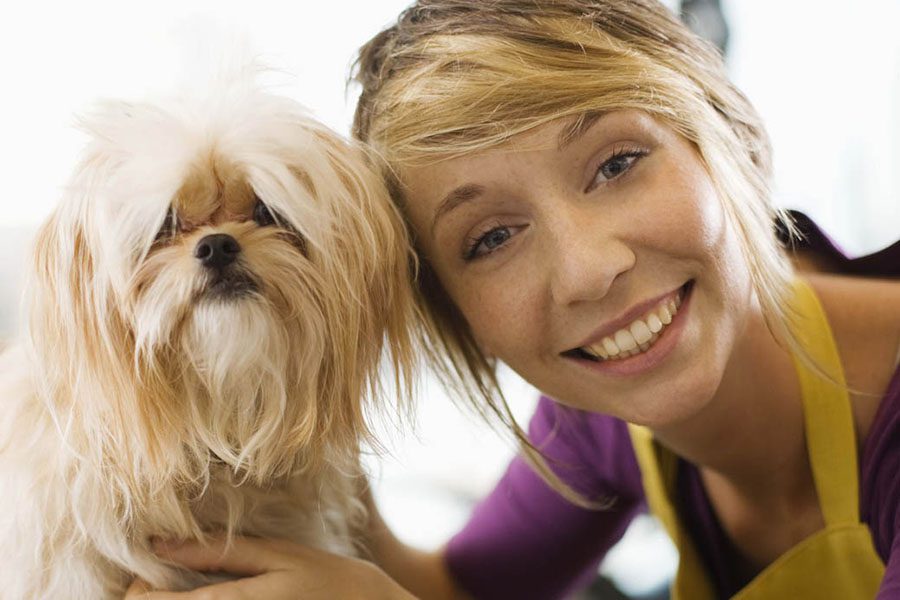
82, 347
62, 299
75, 324
392, 268
371, 264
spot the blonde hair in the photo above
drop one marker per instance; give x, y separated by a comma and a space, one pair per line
453, 77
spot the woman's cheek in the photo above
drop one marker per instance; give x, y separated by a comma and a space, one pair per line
501, 313
687, 216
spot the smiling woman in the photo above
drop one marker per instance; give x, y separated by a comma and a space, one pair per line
590, 199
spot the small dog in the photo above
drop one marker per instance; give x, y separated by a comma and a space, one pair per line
207, 310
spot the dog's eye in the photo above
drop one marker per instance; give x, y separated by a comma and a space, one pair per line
265, 217
167, 229
262, 215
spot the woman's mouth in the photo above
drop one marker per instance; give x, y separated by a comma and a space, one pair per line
638, 337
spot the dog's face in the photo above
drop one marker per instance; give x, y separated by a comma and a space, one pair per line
217, 285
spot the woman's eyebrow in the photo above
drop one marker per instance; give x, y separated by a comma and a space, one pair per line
577, 128
459, 195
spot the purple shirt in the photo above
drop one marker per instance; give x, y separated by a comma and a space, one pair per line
525, 541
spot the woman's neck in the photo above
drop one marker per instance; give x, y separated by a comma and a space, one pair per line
751, 433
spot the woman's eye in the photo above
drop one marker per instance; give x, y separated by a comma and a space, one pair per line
262, 215
616, 166
488, 242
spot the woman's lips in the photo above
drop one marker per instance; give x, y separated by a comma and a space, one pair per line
644, 343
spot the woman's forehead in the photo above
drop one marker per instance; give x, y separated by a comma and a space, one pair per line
451, 168
556, 136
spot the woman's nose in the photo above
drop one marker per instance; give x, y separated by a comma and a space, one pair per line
588, 257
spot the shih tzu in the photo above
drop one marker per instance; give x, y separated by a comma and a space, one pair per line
206, 313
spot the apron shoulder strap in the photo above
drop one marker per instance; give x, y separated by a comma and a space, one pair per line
830, 434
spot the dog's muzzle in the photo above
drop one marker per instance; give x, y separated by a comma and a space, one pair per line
218, 254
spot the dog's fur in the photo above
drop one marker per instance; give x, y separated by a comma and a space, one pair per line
151, 396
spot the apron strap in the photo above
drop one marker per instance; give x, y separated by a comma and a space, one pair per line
830, 435
659, 470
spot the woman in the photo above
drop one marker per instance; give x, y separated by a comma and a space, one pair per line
589, 197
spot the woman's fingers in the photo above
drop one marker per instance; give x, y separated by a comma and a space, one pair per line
271, 569
138, 589
244, 588
243, 556
141, 590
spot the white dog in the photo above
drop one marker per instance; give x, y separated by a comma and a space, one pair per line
206, 312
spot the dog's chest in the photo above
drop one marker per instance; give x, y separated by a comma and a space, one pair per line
317, 513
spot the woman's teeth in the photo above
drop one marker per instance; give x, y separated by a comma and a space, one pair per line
637, 337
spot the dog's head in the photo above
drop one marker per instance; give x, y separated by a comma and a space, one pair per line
219, 283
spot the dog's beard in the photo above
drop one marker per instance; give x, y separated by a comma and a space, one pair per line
241, 353
237, 353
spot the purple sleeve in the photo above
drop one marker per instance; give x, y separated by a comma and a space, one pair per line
524, 540
880, 487
890, 585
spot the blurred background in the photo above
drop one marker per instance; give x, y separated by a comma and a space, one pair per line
825, 75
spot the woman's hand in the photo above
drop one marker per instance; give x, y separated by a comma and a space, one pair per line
274, 570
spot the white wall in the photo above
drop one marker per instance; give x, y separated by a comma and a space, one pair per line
825, 75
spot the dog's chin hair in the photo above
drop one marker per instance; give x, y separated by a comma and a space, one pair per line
227, 339
236, 381
245, 374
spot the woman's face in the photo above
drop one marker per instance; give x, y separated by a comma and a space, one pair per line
601, 269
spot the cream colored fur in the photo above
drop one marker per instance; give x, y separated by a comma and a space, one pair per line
140, 402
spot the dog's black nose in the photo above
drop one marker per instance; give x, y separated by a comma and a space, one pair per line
217, 251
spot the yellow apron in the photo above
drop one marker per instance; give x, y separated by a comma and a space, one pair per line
838, 561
